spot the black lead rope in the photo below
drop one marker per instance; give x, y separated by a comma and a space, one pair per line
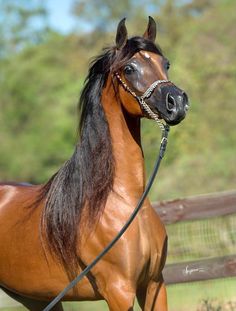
163, 145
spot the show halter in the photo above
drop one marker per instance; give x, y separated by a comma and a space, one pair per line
146, 94
165, 131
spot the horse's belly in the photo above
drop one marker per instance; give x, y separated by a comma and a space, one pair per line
26, 271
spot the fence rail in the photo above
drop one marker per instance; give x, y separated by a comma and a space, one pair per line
197, 208
200, 270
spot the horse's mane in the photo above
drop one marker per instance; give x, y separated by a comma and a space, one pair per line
84, 182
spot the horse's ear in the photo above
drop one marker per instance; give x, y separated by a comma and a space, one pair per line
121, 34
151, 31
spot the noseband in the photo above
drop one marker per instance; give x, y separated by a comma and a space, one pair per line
141, 99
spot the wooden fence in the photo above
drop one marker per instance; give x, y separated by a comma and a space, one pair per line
197, 208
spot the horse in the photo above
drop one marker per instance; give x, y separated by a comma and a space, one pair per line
49, 233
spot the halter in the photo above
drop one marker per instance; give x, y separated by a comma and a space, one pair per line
141, 99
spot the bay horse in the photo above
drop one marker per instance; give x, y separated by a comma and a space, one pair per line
50, 232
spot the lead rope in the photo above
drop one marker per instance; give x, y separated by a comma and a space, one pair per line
165, 131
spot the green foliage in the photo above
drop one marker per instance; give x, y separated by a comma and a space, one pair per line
107, 14
21, 23
40, 85
201, 156
39, 91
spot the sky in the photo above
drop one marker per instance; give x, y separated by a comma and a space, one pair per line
59, 14
60, 17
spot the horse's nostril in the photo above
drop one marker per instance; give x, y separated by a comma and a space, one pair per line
170, 103
185, 98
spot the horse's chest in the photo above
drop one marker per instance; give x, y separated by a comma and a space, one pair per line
154, 239
138, 252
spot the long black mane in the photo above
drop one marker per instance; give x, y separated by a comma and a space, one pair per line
83, 183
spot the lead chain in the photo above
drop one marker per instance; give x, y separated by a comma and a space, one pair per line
151, 114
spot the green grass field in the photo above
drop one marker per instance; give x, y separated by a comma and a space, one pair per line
184, 297
190, 295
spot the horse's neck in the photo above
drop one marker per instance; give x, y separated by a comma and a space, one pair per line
126, 146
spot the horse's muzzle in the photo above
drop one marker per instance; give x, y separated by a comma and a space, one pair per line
171, 103
176, 107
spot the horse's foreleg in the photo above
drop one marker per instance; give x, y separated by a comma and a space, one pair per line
141, 296
156, 296
119, 297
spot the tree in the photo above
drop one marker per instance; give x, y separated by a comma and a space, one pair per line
104, 15
21, 23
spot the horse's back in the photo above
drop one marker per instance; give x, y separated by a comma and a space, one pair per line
16, 195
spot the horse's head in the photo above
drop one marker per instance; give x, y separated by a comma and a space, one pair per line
143, 77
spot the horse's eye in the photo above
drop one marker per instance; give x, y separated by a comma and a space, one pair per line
128, 69
167, 65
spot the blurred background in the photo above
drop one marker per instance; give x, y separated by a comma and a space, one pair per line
45, 50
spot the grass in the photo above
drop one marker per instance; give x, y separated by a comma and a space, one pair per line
215, 295
189, 296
